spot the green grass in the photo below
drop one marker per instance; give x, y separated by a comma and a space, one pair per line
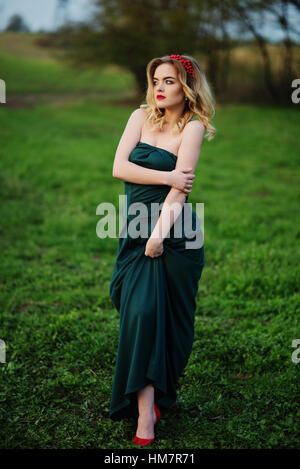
48, 77
240, 388
26, 68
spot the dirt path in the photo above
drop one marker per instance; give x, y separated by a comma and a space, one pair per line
31, 100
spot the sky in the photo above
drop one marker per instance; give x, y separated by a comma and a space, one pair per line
42, 14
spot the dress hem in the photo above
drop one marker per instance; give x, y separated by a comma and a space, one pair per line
129, 406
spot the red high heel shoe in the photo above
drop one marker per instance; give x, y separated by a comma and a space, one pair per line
148, 441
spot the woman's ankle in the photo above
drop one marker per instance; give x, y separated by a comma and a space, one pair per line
146, 413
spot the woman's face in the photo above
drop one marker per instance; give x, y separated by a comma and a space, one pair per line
166, 83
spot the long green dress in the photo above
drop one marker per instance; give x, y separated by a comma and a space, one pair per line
156, 300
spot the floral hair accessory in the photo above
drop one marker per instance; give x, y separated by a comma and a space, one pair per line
185, 63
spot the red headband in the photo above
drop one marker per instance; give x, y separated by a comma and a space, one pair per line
186, 63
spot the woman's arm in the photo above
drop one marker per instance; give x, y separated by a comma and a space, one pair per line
131, 172
127, 171
188, 156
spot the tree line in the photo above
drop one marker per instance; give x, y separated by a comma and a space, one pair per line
131, 32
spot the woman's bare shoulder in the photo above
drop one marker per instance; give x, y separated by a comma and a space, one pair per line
139, 113
137, 117
192, 135
194, 124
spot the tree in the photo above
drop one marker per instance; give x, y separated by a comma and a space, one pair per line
17, 24
246, 11
131, 32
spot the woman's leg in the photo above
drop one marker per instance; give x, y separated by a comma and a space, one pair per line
147, 415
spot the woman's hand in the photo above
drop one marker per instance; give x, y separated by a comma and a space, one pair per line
154, 247
182, 179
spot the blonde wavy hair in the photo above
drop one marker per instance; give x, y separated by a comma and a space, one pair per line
200, 100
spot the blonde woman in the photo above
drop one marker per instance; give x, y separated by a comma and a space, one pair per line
155, 277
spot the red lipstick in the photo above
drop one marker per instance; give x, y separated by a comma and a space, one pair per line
160, 96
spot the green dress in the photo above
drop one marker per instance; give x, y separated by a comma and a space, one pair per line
155, 297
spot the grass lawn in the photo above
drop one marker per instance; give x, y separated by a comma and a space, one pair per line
241, 387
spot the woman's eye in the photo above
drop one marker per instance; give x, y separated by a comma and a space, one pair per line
168, 81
